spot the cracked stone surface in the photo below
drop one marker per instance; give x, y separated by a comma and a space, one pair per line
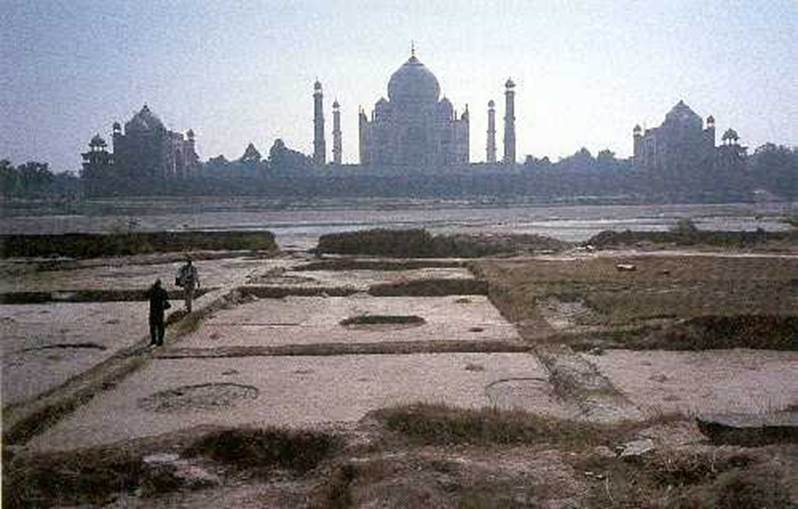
309, 320
305, 391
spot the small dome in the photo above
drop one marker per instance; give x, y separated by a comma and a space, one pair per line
144, 120
710, 119
190, 134
509, 83
116, 126
637, 129
317, 85
97, 141
445, 107
335, 104
413, 82
382, 108
682, 114
491, 104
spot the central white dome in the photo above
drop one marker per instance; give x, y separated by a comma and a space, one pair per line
413, 82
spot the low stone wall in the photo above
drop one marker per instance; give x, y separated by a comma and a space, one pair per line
419, 243
610, 238
88, 296
90, 245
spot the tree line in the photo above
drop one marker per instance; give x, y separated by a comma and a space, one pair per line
289, 173
35, 180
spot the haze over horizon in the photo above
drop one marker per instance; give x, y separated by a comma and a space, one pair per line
585, 74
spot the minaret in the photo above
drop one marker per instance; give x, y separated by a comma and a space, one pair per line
363, 122
709, 132
637, 143
117, 135
336, 133
491, 147
319, 146
509, 122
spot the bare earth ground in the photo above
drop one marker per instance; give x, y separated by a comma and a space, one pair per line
442, 401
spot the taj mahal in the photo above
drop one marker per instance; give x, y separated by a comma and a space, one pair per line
415, 126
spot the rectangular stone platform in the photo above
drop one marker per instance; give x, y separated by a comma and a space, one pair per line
315, 320
122, 274
46, 344
298, 392
712, 381
358, 279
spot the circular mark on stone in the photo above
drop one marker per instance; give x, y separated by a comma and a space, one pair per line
192, 398
382, 322
230, 372
476, 329
519, 392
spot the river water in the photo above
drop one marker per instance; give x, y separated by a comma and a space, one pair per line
300, 225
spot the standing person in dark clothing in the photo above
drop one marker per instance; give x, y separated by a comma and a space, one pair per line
159, 302
188, 278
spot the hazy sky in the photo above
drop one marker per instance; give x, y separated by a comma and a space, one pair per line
236, 72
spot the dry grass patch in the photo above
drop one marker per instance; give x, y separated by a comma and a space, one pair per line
419, 243
98, 475
92, 245
382, 320
264, 449
428, 424
430, 288
712, 302
684, 233
688, 478
89, 477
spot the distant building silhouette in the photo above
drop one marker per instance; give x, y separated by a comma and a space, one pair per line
413, 127
682, 142
147, 149
97, 163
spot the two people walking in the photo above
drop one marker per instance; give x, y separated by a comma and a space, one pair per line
188, 279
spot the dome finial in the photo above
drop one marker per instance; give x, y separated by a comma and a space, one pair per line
412, 48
